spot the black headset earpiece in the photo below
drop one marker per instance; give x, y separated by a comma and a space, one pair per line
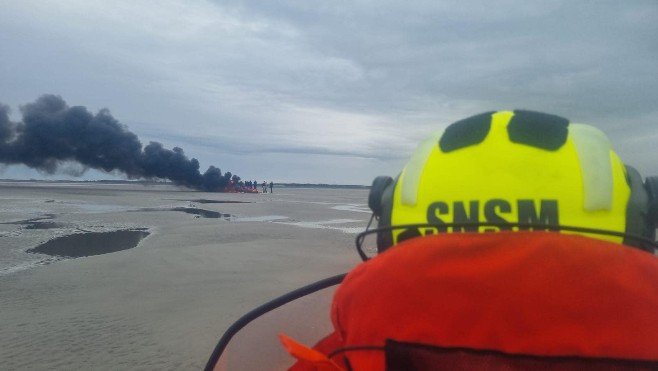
380, 201
641, 208
376, 191
651, 186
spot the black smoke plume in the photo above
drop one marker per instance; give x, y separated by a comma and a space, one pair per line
53, 133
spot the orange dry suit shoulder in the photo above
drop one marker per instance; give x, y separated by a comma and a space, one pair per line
508, 300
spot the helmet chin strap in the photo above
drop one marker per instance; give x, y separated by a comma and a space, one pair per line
640, 242
363, 235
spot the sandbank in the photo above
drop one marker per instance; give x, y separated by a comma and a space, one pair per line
164, 303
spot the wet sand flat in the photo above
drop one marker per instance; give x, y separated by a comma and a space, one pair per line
164, 303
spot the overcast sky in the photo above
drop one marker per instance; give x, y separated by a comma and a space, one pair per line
332, 91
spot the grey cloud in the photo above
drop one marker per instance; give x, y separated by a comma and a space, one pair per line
586, 58
231, 65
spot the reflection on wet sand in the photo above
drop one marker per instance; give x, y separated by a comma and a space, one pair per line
89, 244
194, 211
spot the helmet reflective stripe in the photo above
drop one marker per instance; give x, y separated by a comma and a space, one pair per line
594, 152
410, 178
577, 180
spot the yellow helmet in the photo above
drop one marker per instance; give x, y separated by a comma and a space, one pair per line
514, 170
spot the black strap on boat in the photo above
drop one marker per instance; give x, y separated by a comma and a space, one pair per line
267, 307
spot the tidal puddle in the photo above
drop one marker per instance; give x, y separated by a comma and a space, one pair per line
43, 225
92, 243
200, 213
204, 213
43, 222
206, 201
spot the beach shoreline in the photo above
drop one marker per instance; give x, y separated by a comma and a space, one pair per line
165, 303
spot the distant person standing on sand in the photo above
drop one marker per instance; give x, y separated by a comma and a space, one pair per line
264, 186
271, 187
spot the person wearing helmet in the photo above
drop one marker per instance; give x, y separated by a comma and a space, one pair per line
529, 169
510, 240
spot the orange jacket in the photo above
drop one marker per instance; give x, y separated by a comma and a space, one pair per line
504, 299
